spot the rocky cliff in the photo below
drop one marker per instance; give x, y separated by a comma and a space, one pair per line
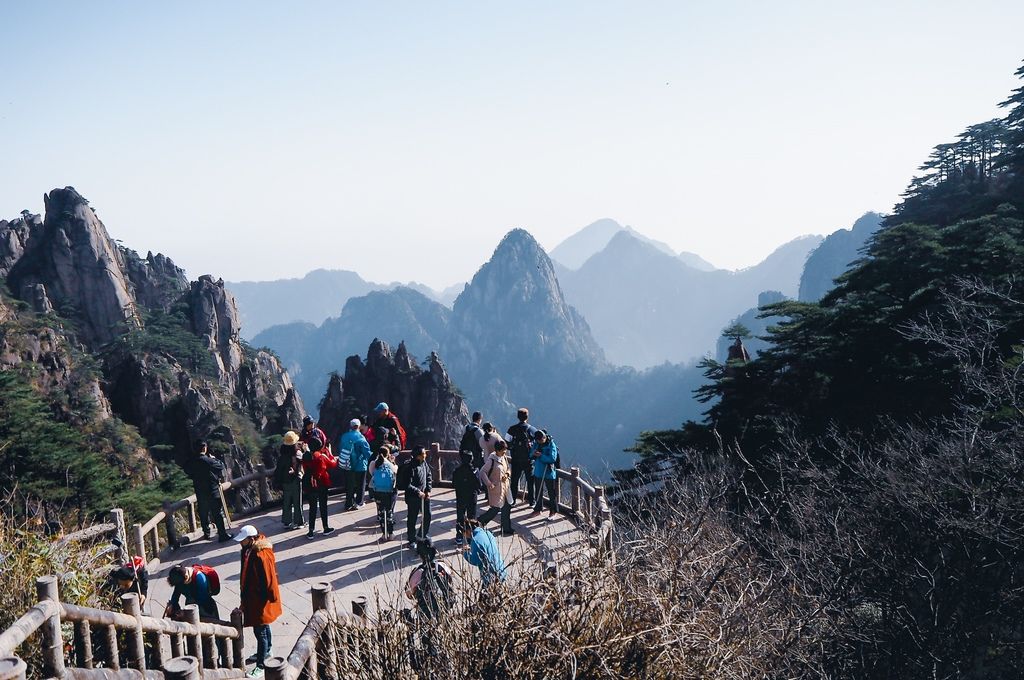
834, 256
426, 401
106, 334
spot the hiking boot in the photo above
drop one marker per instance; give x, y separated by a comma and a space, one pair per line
328, 531
206, 537
310, 536
552, 515
251, 659
255, 673
510, 532
411, 545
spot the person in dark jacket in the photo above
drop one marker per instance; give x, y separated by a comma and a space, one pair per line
311, 431
288, 476
415, 479
207, 473
385, 421
466, 485
545, 458
470, 440
520, 440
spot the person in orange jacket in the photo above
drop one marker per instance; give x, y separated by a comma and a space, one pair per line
260, 594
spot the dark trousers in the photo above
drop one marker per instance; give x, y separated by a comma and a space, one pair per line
355, 482
416, 505
549, 484
208, 503
317, 499
465, 508
506, 517
386, 510
522, 469
263, 641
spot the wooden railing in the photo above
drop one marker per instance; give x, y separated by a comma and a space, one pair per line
147, 639
191, 645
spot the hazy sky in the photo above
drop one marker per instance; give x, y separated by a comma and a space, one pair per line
259, 140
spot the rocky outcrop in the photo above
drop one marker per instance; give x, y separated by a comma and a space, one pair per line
156, 281
80, 269
15, 237
758, 327
214, 319
430, 407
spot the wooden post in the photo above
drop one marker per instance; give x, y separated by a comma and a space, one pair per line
154, 541
274, 667
136, 643
263, 484
53, 645
182, 668
209, 651
238, 644
177, 646
117, 518
323, 599
192, 643
193, 522
359, 606
172, 532
574, 472
83, 644
138, 541
435, 462
113, 656
157, 650
12, 668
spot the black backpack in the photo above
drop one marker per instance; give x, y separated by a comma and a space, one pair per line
404, 475
435, 591
521, 441
469, 441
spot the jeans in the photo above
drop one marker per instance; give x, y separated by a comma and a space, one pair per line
291, 502
355, 482
317, 498
416, 504
522, 469
263, 640
506, 517
386, 510
541, 484
465, 508
208, 503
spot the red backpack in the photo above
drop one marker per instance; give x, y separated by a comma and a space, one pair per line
212, 579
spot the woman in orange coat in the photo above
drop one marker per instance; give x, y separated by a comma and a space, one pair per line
261, 597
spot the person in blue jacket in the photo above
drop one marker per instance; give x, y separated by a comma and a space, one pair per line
544, 454
354, 444
481, 550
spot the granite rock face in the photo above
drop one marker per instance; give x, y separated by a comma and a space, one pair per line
103, 332
425, 400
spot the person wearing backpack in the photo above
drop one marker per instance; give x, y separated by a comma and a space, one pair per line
288, 477
385, 421
488, 437
199, 584
259, 591
431, 583
383, 474
520, 437
354, 455
495, 476
470, 441
316, 480
481, 550
545, 461
415, 480
207, 473
467, 485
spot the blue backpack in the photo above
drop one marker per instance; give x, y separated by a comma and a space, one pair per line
384, 478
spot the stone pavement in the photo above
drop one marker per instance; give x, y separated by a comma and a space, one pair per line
353, 561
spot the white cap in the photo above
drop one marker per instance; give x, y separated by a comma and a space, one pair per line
354, 423
248, 531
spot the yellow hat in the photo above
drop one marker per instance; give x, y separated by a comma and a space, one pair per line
290, 438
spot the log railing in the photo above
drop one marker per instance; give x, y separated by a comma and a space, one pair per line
129, 638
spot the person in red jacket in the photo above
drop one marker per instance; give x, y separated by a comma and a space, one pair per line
317, 462
384, 422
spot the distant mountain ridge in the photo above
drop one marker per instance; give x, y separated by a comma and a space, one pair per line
646, 307
593, 238
315, 297
835, 255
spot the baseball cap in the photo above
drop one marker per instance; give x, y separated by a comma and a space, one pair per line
248, 531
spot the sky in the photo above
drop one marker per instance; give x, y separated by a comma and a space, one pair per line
261, 140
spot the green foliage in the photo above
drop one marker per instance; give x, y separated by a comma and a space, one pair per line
144, 501
170, 333
736, 330
46, 459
